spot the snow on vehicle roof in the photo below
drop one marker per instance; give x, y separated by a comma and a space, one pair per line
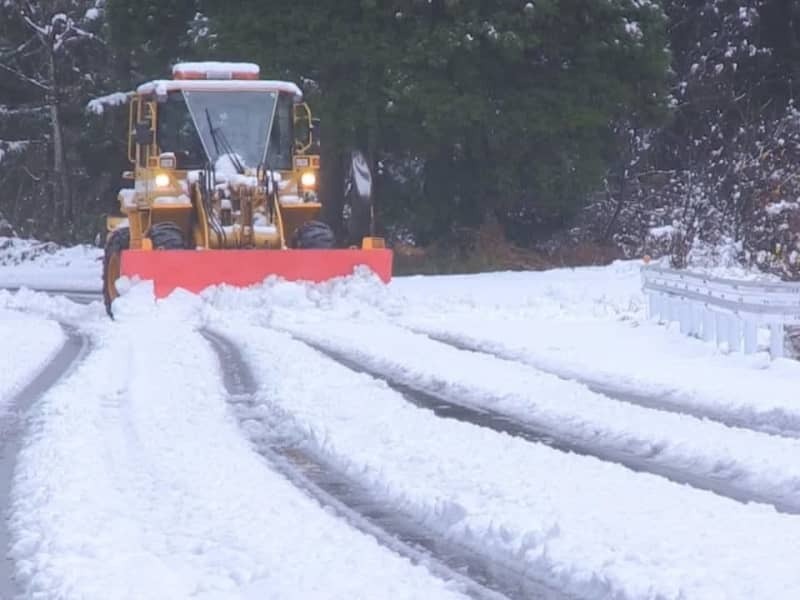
215, 67
161, 87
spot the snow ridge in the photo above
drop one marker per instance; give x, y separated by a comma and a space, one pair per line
579, 524
137, 483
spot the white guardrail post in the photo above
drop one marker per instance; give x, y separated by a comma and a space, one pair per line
726, 311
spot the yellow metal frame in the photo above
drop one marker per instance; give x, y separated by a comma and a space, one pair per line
303, 107
133, 116
145, 211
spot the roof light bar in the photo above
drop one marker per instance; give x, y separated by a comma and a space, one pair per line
215, 71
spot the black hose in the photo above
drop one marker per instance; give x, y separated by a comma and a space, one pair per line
213, 222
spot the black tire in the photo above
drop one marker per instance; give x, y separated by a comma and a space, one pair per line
313, 235
119, 240
167, 236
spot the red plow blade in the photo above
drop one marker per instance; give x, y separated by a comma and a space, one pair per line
195, 270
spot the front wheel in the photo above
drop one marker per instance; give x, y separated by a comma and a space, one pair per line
166, 236
119, 240
313, 235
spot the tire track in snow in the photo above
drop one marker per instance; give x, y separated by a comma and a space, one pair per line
77, 296
670, 402
480, 577
12, 429
444, 407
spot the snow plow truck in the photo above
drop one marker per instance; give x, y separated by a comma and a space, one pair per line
226, 187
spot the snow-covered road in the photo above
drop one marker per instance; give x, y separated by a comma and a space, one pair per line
17, 407
580, 524
740, 463
478, 574
29, 343
206, 448
136, 482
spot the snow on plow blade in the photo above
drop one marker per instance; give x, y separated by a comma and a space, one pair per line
195, 270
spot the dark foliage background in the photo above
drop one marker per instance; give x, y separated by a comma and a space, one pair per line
619, 128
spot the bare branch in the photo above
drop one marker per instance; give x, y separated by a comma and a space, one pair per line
25, 78
74, 34
43, 32
21, 110
31, 175
18, 49
82, 32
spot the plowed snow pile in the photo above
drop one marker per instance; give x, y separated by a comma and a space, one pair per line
136, 482
48, 266
588, 324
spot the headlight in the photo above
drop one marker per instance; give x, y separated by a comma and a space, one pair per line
308, 179
162, 180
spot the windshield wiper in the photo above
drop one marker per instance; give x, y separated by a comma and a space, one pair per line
220, 141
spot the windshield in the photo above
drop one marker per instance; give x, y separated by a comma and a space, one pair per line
233, 122
177, 133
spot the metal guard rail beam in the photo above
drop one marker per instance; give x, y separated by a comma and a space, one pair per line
723, 310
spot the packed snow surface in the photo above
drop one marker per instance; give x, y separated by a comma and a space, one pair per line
637, 357
579, 524
588, 324
136, 482
28, 344
48, 266
591, 325
753, 463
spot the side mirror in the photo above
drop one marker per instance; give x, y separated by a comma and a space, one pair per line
361, 176
143, 134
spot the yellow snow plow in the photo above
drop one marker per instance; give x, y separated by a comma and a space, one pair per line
226, 187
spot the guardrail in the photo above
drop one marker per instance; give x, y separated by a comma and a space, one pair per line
727, 311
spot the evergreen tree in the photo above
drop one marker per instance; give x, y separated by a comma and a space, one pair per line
148, 36
49, 57
500, 108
